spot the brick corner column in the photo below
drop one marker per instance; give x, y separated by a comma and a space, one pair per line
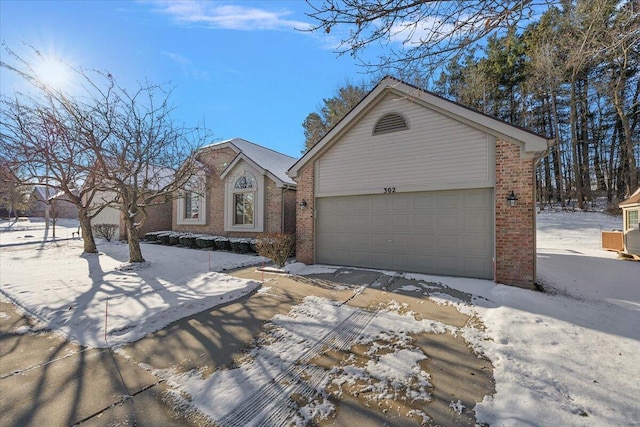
304, 217
515, 226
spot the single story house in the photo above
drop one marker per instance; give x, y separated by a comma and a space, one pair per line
242, 190
52, 202
410, 181
631, 224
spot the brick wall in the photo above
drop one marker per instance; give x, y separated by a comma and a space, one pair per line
158, 219
272, 206
216, 161
304, 217
515, 226
290, 207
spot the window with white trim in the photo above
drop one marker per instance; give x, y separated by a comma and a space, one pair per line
243, 207
632, 220
243, 202
192, 202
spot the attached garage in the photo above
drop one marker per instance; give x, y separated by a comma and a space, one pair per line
409, 181
439, 232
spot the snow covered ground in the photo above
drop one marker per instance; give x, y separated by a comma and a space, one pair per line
567, 357
100, 300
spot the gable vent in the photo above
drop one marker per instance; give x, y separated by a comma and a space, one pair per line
391, 122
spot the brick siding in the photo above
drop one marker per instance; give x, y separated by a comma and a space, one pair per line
304, 217
515, 226
216, 161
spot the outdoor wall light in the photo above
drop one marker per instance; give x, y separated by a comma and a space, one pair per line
303, 204
512, 199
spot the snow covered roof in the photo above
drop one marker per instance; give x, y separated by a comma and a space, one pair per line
44, 192
272, 162
633, 200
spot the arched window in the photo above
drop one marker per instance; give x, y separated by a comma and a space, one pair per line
243, 183
390, 122
244, 200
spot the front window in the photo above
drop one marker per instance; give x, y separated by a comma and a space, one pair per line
192, 204
191, 208
243, 203
632, 220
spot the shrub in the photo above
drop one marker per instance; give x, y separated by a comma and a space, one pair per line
188, 240
174, 239
151, 237
164, 238
278, 247
223, 244
106, 231
241, 246
206, 242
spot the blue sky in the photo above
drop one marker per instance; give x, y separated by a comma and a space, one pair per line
242, 66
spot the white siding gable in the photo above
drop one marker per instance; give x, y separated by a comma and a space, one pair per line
435, 153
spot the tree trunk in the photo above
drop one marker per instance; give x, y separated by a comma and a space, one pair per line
557, 154
135, 253
87, 233
573, 123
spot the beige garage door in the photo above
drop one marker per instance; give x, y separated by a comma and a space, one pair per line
437, 232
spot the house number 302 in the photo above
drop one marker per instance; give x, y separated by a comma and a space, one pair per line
389, 189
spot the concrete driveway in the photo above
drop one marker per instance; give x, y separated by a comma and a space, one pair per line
45, 380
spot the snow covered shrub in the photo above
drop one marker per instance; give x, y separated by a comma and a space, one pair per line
240, 245
206, 242
105, 231
174, 239
278, 247
188, 240
223, 244
151, 236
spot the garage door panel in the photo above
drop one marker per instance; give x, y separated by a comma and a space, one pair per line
344, 205
401, 202
361, 205
475, 221
476, 200
381, 221
449, 201
402, 222
380, 204
362, 222
424, 222
423, 202
448, 221
343, 223
440, 232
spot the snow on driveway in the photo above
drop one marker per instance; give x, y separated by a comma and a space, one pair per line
569, 357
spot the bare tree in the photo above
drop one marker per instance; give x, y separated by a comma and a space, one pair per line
427, 31
40, 138
105, 141
141, 154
